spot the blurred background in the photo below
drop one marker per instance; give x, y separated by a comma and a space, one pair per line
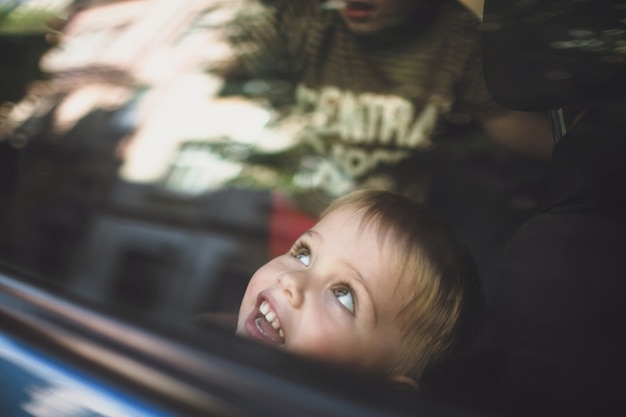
132, 175
136, 178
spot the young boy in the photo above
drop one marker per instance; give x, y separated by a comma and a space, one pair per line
379, 285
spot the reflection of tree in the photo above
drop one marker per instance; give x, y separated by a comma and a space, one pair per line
7, 6
269, 170
28, 16
202, 165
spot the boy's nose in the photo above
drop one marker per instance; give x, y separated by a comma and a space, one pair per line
293, 286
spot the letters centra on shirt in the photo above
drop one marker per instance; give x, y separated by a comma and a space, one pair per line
355, 134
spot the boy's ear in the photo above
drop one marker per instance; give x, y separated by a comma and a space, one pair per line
403, 382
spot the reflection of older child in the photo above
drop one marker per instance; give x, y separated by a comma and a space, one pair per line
376, 82
380, 285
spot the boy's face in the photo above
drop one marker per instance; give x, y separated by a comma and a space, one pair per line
368, 17
334, 297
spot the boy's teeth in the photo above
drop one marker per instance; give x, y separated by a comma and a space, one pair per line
264, 308
271, 318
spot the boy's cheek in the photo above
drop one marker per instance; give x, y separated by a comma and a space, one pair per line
316, 337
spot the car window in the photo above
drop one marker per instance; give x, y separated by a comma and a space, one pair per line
156, 153
119, 182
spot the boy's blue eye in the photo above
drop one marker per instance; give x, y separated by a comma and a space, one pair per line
303, 256
345, 297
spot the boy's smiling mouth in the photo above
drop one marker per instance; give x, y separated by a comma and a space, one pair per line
264, 325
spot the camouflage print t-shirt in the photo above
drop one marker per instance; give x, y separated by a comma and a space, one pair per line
372, 106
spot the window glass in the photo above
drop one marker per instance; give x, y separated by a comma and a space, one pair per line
156, 153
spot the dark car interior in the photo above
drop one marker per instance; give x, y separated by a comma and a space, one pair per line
549, 347
104, 264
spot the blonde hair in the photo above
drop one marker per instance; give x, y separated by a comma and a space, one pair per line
446, 300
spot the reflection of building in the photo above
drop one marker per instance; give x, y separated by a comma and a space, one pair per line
99, 145
154, 251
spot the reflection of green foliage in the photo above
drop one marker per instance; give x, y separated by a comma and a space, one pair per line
285, 161
15, 21
260, 169
269, 170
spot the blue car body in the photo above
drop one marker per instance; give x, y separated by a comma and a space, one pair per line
34, 384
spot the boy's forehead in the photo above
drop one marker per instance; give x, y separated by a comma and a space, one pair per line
374, 249
343, 221
354, 220
346, 234
369, 228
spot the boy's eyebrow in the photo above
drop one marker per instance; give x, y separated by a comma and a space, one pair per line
313, 236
